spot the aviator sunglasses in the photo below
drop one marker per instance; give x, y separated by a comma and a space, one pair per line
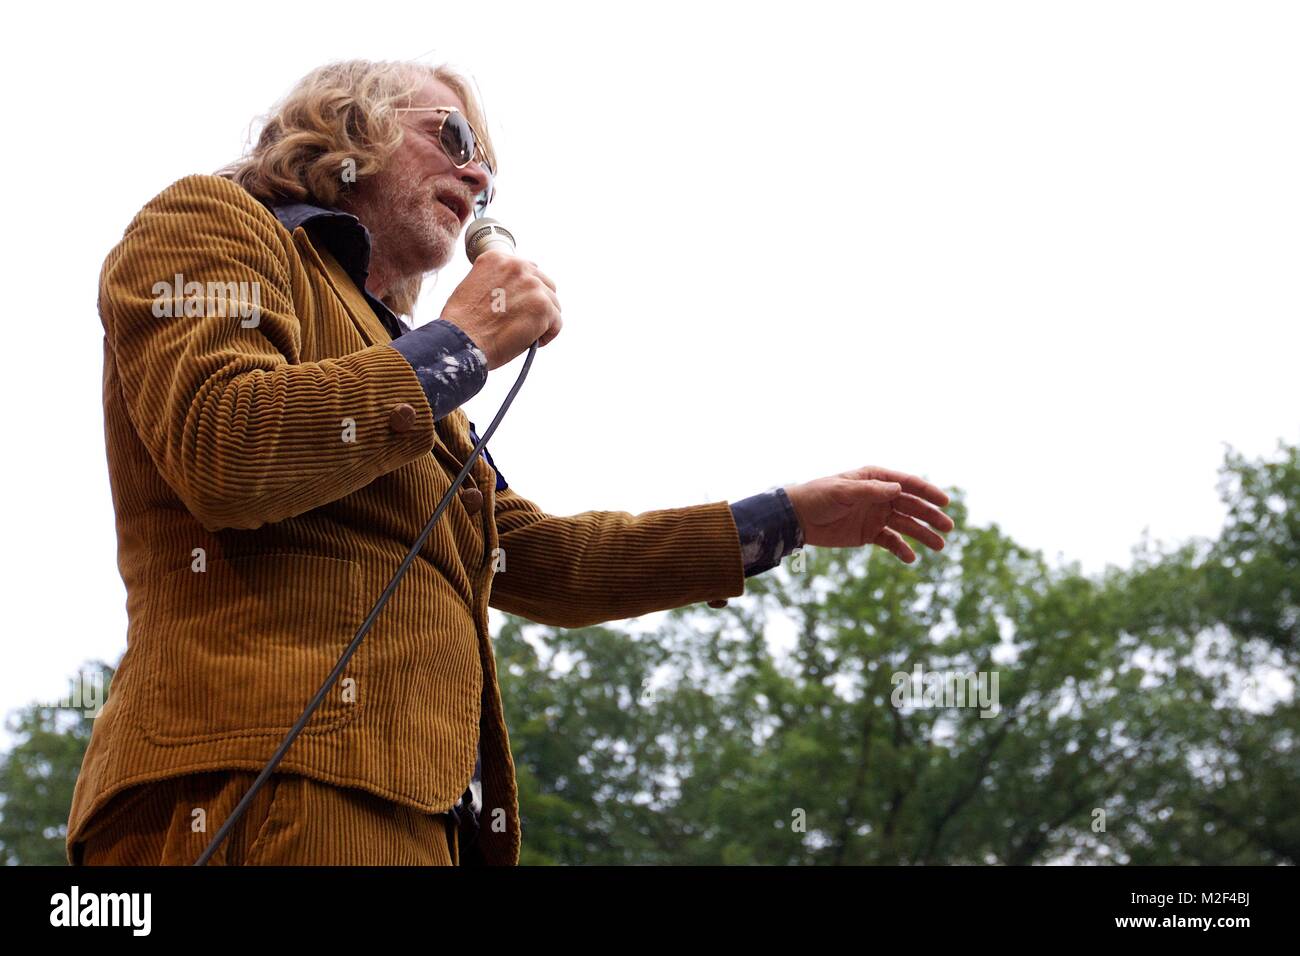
456, 137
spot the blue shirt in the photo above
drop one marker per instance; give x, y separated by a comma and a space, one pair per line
452, 369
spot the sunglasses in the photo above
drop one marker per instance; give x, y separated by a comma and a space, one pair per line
456, 137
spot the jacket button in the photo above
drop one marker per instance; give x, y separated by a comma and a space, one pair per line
401, 418
472, 499
721, 602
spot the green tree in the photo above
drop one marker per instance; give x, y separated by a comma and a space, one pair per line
38, 774
1132, 723
1145, 715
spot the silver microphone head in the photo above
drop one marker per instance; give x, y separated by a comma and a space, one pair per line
484, 234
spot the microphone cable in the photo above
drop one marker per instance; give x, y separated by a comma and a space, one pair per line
484, 234
366, 624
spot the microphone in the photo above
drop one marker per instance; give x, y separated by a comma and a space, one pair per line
485, 234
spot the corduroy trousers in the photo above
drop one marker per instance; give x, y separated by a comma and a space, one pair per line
292, 821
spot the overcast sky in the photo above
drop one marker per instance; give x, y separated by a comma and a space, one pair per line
1043, 252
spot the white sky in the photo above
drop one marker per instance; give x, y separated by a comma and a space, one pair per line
1045, 252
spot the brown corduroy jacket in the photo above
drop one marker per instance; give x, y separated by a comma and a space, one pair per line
270, 467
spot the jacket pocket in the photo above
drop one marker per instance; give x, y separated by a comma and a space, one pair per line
241, 648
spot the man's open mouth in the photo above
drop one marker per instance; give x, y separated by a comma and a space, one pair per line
455, 207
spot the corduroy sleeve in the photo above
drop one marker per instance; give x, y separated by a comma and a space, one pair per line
599, 566
198, 302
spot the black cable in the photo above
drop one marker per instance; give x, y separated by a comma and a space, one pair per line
366, 624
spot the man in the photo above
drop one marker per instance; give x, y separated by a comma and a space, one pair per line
276, 440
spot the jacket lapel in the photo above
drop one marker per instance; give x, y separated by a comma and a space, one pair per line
453, 429
357, 308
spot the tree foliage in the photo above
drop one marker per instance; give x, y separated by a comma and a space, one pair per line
1145, 715
38, 774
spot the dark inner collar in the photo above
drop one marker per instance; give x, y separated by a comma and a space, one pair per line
348, 241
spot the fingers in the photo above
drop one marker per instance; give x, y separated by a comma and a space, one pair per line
551, 291
880, 490
892, 542
555, 299
911, 483
543, 276
548, 287
550, 333
911, 505
914, 529
490, 258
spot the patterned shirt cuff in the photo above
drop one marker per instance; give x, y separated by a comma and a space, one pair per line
451, 368
769, 529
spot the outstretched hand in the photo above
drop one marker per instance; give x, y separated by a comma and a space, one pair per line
871, 506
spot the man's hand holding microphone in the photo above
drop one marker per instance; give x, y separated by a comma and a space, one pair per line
506, 303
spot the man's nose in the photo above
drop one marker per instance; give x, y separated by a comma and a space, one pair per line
475, 177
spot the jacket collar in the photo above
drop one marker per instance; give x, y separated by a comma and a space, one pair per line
348, 241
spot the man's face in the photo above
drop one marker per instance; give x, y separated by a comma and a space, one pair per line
416, 206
